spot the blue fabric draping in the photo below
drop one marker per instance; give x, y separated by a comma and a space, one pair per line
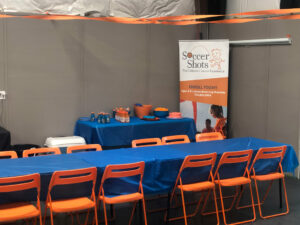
162, 164
117, 134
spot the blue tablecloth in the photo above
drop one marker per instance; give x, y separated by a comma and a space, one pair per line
162, 163
117, 134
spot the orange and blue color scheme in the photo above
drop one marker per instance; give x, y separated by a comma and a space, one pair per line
70, 205
195, 161
118, 172
263, 154
146, 142
240, 160
80, 148
175, 139
8, 154
212, 136
22, 210
41, 152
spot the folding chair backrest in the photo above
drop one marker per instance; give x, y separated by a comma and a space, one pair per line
123, 170
8, 154
20, 183
197, 161
235, 158
270, 153
212, 136
72, 149
176, 139
73, 177
146, 142
43, 151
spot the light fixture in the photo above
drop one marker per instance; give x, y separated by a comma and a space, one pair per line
255, 42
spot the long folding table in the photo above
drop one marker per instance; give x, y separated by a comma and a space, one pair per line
162, 164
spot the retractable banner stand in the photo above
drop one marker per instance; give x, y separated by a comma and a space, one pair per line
204, 83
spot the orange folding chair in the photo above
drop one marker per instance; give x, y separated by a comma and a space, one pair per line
120, 171
22, 210
71, 205
176, 139
212, 136
263, 154
195, 161
41, 152
8, 154
146, 142
234, 158
81, 148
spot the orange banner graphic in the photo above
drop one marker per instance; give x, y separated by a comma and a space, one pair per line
209, 91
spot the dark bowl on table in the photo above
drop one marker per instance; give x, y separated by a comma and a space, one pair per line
161, 114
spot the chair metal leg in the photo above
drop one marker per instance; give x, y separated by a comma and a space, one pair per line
96, 215
216, 205
260, 205
280, 193
256, 204
45, 214
34, 220
104, 211
40, 217
51, 217
168, 209
224, 212
145, 212
87, 217
183, 206
224, 197
132, 213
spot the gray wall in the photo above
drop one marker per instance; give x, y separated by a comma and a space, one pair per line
57, 71
264, 81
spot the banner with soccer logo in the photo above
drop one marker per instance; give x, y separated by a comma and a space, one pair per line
204, 83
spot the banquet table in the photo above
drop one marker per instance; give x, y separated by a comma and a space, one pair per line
161, 164
121, 134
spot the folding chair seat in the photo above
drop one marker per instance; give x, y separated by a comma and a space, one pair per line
21, 210
212, 136
80, 148
192, 162
239, 162
263, 155
119, 172
8, 154
41, 152
146, 142
176, 139
70, 205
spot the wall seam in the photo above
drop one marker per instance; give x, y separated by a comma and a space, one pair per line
268, 83
5, 104
83, 88
148, 63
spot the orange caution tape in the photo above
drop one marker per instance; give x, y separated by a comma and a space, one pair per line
121, 20
184, 17
182, 22
55, 17
174, 20
6, 16
288, 17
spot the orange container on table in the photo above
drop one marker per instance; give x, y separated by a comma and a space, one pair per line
122, 116
141, 111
